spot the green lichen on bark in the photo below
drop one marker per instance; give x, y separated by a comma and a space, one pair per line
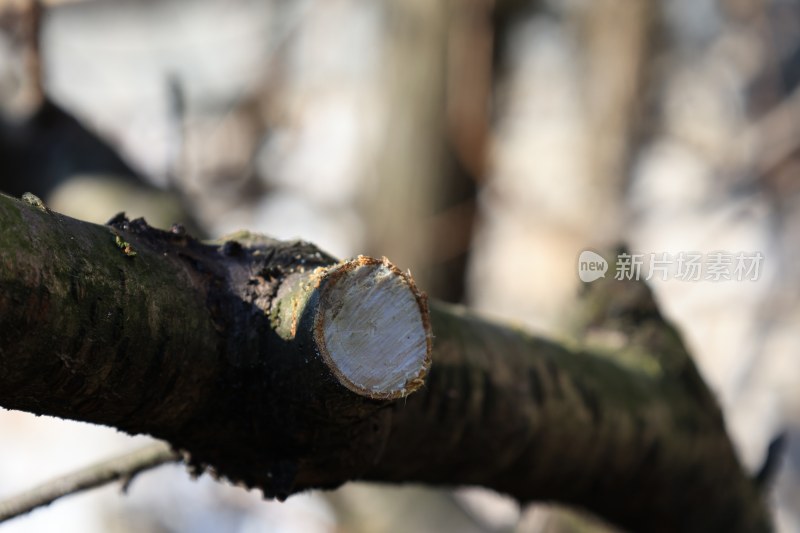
66, 289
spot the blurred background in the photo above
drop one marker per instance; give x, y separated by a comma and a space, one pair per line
481, 143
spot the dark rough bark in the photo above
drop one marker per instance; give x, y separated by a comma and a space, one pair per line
205, 346
189, 342
634, 435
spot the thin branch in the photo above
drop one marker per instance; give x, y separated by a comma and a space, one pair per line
124, 467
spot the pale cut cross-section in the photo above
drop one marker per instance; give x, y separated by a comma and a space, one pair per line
372, 328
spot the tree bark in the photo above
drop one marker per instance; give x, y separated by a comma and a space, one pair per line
276, 367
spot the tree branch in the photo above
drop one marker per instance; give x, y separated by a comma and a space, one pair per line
124, 467
278, 368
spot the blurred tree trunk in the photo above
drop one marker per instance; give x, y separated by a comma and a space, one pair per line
421, 197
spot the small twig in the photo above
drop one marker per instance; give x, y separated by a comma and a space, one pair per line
123, 467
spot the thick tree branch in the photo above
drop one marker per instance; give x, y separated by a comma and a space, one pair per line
629, 431
227, 350
277, 367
